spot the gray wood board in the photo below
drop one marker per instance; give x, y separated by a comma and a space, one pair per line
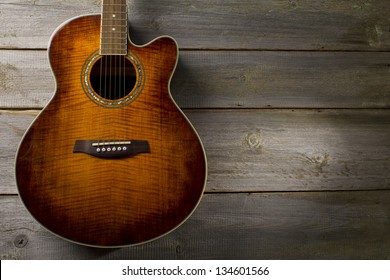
228, 79
267, 150
319, 225
216, 24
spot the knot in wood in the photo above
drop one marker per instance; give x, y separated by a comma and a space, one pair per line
20, 241
254, 140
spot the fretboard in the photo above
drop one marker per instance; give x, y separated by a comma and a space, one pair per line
113, 37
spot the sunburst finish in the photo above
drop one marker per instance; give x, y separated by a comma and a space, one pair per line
110, 202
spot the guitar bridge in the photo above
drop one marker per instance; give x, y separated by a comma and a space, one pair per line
111, 149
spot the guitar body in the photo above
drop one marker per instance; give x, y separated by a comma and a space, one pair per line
102, 199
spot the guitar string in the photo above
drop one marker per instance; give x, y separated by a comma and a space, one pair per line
100, 91
124, 67
117, 78
112, 74
118, 74
124, 89
104, 92
121, 89
106, 84
101, 84
108, 119
114, 93
112, 85
113, 122
105, 96
108, 77
110, 98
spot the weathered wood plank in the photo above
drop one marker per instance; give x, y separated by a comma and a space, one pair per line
268, 24
227, 79
26, 80
12, 127
322, 225
29, 24
258, 150
268, 150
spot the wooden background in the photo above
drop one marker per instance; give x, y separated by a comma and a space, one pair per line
291, 99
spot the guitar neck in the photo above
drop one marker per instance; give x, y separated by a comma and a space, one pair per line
114, 30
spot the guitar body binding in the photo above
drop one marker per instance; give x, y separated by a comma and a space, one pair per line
120, 200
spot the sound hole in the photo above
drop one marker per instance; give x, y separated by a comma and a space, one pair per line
113, 77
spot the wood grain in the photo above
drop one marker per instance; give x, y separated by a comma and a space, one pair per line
235, 56
227, 79
102, 202
269, 150
320, 225
216, 24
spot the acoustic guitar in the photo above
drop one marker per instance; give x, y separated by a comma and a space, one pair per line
111, 160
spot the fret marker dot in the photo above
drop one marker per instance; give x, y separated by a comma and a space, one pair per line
113, 29
113, 15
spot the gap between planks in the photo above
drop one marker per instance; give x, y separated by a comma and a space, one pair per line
233, 50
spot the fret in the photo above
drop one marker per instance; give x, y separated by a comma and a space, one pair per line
118, 39
113, 22
121, 44
113, 51
121, 11
119, 36
114, 16
114, 31
122, 22
111, 8
114, 19
110, 26
114, 48
114, 27
122, 40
